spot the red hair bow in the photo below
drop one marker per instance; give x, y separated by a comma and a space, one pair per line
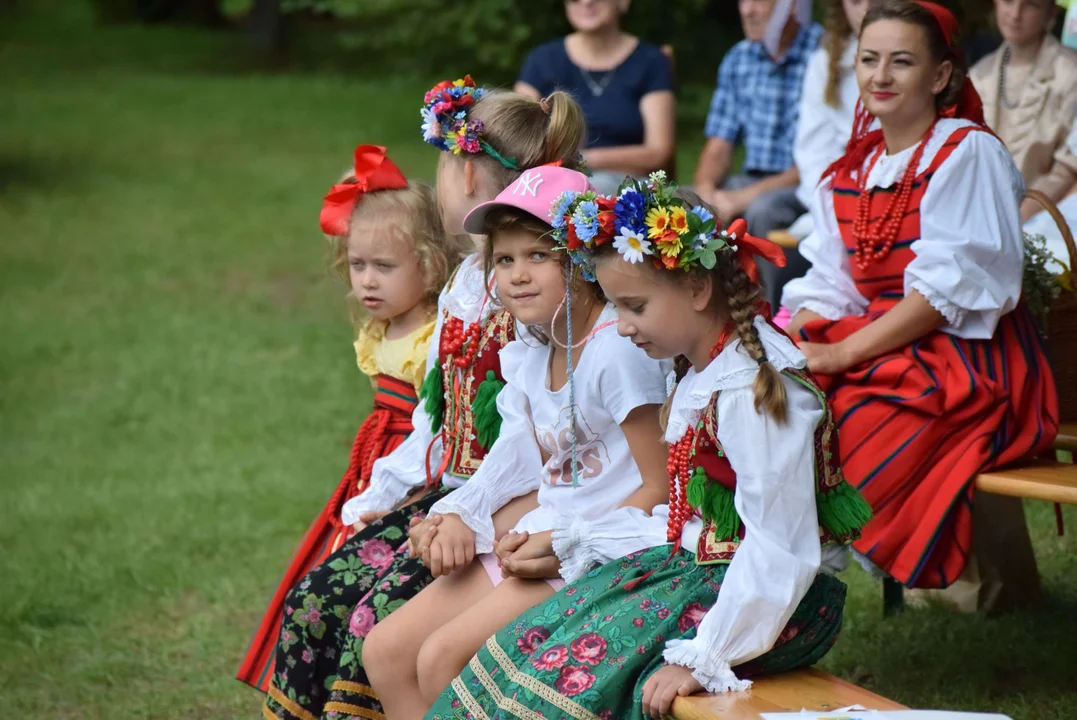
749, 247
373, 170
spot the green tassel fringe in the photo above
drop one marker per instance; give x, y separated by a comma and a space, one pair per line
719, 508
484, 410
697, 488
842, 510
432, 395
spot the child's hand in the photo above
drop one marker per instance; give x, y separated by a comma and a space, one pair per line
368, 517
827, 359
509, 544
421, 532
452, 548
533, 557
666, 685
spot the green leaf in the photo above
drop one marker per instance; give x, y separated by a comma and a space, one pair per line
347, 658
392, 533
350, 578
694, 223
338, 564
708, 227
708, 259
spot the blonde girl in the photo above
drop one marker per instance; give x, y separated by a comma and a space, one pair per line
388, 243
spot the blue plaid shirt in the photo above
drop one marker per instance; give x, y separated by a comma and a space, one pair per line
758, 100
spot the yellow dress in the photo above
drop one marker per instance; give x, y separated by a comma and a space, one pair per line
403, 358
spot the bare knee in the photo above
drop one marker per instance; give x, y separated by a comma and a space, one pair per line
385, 657
441, 659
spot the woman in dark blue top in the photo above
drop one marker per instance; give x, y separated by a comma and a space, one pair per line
625, 87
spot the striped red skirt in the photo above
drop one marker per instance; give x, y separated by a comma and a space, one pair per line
918, 424
381, 433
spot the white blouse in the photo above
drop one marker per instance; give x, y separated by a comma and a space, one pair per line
613, 378
970, 254
780, 555
395, 475
823, 131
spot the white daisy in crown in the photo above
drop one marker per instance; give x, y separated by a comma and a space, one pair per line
632, 245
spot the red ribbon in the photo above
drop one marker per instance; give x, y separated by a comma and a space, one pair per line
373, 170
749, 247
969, 106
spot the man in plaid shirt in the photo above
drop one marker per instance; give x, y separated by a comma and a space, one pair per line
756, 104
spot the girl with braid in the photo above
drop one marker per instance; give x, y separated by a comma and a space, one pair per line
738, 580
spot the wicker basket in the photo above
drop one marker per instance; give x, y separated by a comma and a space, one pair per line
1062, 323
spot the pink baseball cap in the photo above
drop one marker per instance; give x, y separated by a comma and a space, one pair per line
534, 192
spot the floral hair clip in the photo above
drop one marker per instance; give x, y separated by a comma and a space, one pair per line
446, 125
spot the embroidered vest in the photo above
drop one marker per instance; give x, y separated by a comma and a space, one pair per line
883, 282
841, 510
462, 402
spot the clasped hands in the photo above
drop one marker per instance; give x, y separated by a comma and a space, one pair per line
446, 544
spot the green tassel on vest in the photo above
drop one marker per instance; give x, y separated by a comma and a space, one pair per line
484, 410
719, 508
697, 488
842, 510
432, 394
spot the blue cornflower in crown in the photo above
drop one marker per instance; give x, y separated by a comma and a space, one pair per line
446, 122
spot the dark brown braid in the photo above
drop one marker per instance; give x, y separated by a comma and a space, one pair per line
743, 298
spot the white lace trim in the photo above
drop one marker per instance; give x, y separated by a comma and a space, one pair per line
954, 314
467, 294
889, 168
483, 525
717, 679
570, 547
731, 369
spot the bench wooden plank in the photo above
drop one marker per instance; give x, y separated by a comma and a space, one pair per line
783, 238
808, 689
1067, 437
1039, 480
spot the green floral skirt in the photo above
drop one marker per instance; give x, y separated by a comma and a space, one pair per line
586, 653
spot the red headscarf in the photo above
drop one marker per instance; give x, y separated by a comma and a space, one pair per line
373, 170
969, 106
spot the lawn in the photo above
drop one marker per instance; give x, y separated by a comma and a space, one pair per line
178, 390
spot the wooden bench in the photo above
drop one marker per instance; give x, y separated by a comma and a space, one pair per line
809, 689
783, 238
1067, 437
1039, 480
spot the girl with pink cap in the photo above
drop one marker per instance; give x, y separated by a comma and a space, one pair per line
579, 423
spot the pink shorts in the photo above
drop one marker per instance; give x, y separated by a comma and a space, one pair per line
489, 561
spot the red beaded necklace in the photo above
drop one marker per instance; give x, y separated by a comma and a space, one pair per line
679, 463
874, 243
455, 336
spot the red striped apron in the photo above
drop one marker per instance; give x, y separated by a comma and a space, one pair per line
919, 423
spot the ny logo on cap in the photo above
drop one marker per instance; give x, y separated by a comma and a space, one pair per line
528, 183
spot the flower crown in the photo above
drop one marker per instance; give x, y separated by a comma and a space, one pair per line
445, 120
644, 220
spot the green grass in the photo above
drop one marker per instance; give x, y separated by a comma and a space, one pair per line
178, 390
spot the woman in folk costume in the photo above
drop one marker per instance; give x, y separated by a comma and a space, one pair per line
759, 513
388, 242
910, 312
487, 140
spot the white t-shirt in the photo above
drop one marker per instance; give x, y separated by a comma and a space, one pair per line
612, 378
